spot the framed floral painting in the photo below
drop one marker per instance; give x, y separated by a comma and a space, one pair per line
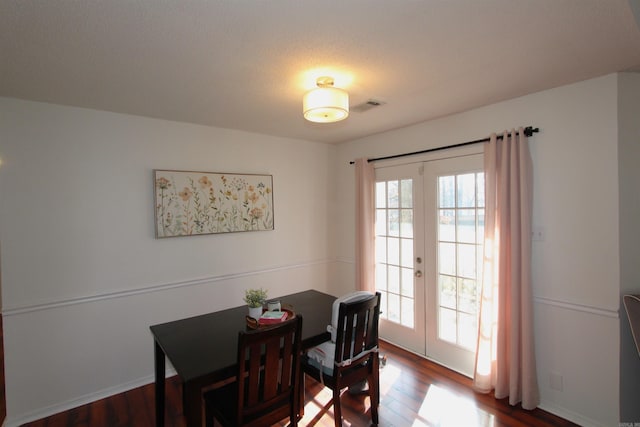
192, 203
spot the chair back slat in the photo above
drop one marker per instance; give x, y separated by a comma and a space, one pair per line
287, 370
271, 368
253, 379
362, 333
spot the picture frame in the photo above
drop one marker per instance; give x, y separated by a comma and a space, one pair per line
188, 203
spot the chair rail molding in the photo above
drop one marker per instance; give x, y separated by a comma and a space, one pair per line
47, 305
578, 307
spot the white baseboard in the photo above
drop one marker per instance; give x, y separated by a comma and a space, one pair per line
81, 400
569, 415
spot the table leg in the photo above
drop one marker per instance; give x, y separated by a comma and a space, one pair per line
160, 390
192, 403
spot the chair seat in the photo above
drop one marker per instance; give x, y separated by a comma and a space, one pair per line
322, 357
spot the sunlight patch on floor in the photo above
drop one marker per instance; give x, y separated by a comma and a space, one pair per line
314, 408
315, 404
388, 376
443, 408
318, 409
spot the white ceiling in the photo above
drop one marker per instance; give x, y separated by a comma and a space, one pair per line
245, 64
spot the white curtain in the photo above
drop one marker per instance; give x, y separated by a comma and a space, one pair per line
505, 357
365, 225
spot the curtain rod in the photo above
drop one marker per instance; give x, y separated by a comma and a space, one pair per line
528, 131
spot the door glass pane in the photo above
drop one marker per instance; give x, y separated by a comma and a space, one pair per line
447, 325
406, 223
460, 241
393, 284
406, 186
406, 280
447, 291
406, 253
466, 226
447, 225
446, 192
381, 194
407, 318
467, 298
381, 277
381, 222
393, 307
480, 189
466, 190
447, 258
381, 249
467, 330
467, 261
392, 194
393, 251
394, 222
480, 233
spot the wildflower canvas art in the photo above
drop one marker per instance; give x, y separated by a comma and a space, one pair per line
192, 203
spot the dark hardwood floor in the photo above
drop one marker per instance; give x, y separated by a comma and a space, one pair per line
414, 392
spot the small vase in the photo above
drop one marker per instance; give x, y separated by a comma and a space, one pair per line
255, 312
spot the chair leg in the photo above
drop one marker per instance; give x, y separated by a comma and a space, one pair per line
374, 397
337, 409
374, 389
301, 391
294, 412
208, 418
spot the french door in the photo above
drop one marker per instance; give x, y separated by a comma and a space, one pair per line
399, 242
429, 241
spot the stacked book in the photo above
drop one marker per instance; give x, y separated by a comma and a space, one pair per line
270, 317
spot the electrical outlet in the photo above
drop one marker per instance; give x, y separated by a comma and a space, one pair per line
537, 234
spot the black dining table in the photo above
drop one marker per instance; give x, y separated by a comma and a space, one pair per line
203, 349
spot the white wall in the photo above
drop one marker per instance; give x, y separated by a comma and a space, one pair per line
83, 276
576, 268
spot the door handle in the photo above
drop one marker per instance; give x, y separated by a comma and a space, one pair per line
418, 273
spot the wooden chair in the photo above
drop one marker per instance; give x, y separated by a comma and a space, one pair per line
266, 389
353, 357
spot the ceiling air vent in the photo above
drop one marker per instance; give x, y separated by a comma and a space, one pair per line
366, 106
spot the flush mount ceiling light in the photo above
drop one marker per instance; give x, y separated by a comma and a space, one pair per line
325, 104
